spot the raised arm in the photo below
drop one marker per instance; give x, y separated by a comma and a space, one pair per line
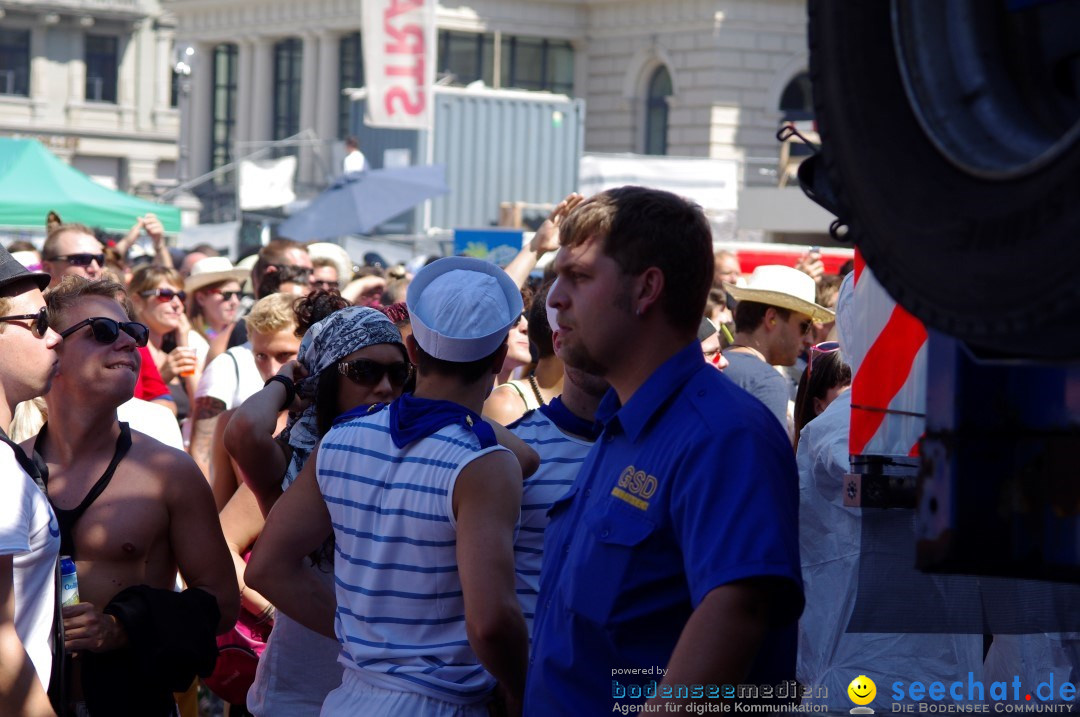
21, 693
487, 502
249, 439
546, 239
296, 527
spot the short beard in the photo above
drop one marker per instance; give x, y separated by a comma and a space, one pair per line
590, 384
579, 357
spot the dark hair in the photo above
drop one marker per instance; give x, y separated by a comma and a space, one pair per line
539, 330
830, 371
72, 289
467, 372
315, 307
643, 228
272, 281
828, 289
204, 249
750, 314
273, 254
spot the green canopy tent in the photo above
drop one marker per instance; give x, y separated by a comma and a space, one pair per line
34, 181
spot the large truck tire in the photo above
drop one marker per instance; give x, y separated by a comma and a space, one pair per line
950, 136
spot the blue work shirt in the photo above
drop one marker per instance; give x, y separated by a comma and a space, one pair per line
691, 486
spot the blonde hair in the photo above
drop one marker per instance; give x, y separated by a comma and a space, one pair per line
272, 314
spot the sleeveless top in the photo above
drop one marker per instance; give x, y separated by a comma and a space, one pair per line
400, 607
525, 391
561, 456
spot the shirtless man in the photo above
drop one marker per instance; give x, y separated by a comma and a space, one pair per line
132, 638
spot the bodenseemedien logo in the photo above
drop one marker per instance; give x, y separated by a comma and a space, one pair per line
862, 692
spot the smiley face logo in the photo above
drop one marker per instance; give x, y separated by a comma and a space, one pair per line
862, 690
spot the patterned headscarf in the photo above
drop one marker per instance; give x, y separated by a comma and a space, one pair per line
327, 342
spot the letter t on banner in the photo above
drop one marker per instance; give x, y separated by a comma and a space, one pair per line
399, 63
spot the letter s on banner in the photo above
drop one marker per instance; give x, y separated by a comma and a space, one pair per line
399, 63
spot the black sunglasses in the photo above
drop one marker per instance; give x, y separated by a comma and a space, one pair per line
107, 331
226, 295
40, 319
324, 285
165, 295
83, 259
366, 372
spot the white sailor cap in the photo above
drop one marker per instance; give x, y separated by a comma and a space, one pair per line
462, 308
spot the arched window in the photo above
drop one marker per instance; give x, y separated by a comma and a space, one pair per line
797, 100
656, 111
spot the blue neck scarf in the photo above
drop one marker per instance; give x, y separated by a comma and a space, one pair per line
561, 416
413, 418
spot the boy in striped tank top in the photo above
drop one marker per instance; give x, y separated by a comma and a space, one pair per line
562, 432
423, 504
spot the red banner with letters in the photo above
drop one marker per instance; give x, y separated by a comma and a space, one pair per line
399, 63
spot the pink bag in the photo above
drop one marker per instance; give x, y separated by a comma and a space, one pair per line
239, 650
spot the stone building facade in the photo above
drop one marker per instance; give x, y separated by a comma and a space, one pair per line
93, 80
694, 78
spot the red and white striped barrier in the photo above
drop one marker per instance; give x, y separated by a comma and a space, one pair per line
888, 391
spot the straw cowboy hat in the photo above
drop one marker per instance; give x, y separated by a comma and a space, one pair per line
784, 287
336, 254
213, 270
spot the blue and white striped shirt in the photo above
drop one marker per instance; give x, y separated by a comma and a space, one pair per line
561, 456
400, 607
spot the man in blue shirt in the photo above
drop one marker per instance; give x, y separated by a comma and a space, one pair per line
673, 560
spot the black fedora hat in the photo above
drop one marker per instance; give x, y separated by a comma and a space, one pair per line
12, 271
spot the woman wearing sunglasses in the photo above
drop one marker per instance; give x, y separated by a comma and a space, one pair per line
213, 290
178, 350
351, 358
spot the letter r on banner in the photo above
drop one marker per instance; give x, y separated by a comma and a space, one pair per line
399, 63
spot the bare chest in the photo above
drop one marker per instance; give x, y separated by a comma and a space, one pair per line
127, 522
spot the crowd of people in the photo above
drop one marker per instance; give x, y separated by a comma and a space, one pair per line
460, 490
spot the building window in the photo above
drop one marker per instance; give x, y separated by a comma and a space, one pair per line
351, 65
656, 112
15, 62
288, 68
101, 62
466, 57
223, 106
532, 63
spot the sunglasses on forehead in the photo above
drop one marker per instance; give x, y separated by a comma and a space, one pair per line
365, 372
825, 347
164, 295
107, 331
83, 259
39, 325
